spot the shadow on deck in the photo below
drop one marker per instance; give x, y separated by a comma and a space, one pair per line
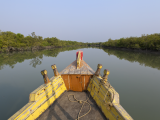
63, 109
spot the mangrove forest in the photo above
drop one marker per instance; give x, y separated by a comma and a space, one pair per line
10, 41
145, 42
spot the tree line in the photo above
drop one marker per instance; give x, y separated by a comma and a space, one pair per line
148, 42
9, 39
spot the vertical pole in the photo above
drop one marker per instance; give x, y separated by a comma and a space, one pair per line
78, 59
105, 76
45, 76
99, 67
55, 70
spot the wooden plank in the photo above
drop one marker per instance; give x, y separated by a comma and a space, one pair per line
85, 81
76, 83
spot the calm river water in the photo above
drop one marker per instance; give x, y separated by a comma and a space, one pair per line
135, 76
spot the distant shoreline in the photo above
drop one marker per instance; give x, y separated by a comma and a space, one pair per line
11, 49
133, 49
34, 48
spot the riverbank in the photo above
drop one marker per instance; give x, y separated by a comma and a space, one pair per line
11, 49
133, 49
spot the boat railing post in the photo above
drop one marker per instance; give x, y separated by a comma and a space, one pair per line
55, 70
99, 67
45, 76
105, 76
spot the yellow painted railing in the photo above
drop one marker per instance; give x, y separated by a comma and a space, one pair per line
107, 99
40, 99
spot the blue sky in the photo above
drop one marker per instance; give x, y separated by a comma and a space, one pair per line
81, 20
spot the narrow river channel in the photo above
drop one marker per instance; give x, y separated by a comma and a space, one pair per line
135, 76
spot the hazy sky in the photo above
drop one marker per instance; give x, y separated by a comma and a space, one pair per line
81, 20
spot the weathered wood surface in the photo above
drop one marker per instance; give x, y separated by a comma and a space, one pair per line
63, 109
83, 69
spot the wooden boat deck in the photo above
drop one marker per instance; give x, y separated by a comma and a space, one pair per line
63, 109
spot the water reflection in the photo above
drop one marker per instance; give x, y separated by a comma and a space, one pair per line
35, 61
146, 59
36, 57
11, 58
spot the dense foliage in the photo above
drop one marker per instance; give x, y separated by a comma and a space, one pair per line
150, 42
10, 39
